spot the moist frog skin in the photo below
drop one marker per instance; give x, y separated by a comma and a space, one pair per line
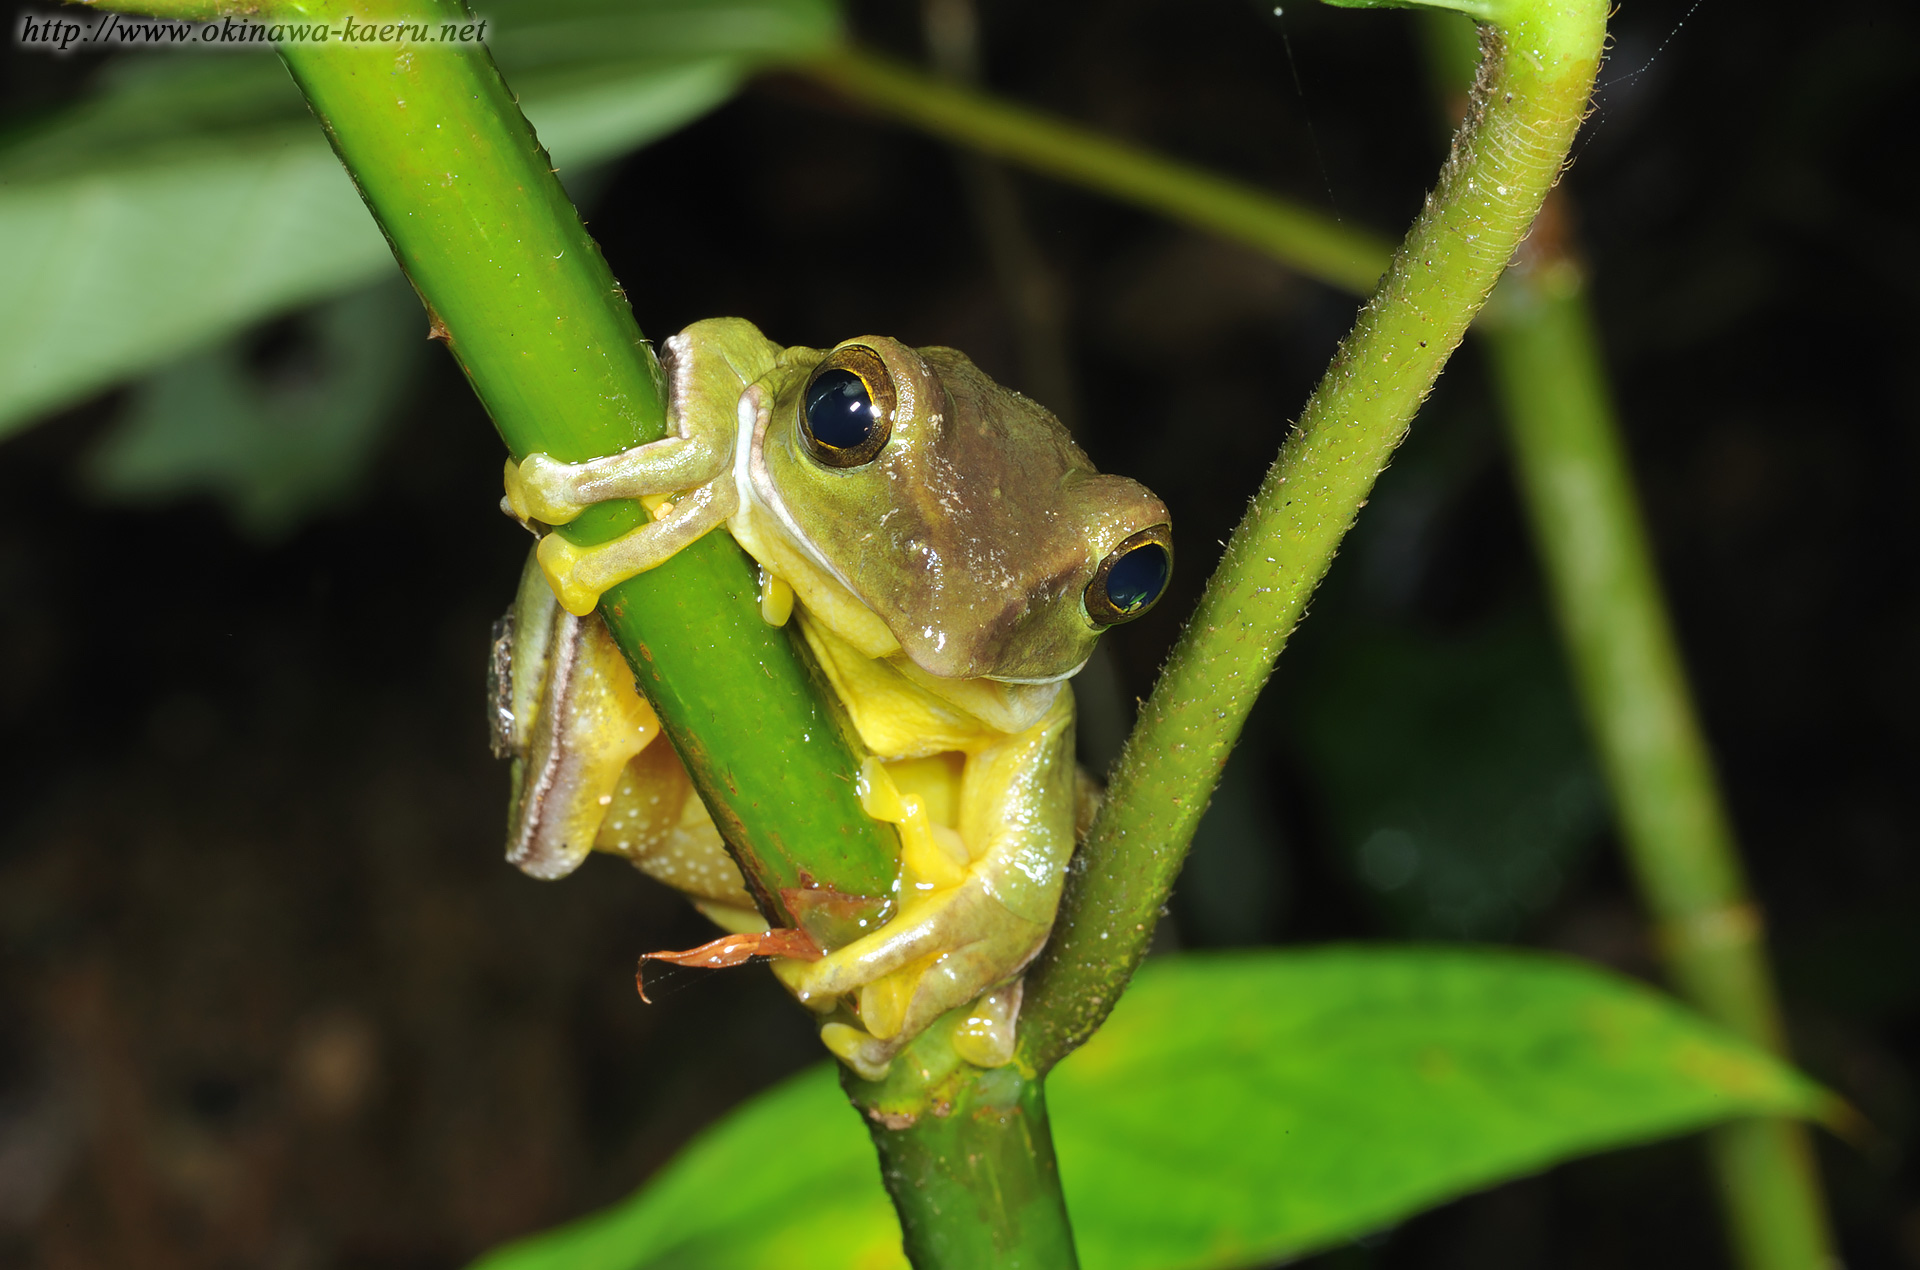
950, 558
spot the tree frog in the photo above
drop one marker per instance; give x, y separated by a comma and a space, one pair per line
950, 557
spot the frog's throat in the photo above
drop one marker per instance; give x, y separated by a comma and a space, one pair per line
755, 487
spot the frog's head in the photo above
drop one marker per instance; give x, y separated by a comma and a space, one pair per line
959, 511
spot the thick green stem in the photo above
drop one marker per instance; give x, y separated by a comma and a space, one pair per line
1537, 68
521, 295
968, 1157
1578, 489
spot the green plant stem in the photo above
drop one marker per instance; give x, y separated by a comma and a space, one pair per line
968, 1157
1578, 489
1768, 1184
1299, 237
520, 293
1537, 68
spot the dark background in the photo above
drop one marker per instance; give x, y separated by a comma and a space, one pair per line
270, 998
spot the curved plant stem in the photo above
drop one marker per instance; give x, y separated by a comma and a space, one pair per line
1578, 489
470, 203
1297, 236
1683, 854
1537, 68
1539, 64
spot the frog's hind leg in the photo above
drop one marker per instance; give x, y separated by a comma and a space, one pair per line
963, 927
572, 721
657, 821
580, 575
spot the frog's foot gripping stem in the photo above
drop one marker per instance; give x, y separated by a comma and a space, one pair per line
982, 1033
968, 923
541, 487
580, 575
697, 458
916, 968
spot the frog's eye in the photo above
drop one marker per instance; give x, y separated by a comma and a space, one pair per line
846, 410
1132, 578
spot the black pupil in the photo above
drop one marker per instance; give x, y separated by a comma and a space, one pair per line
839, 411
1137, 578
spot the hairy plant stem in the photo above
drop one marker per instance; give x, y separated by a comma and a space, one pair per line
1537, 68
519, 292
1683, 856
1578, 489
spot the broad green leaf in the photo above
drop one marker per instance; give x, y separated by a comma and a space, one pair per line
787, 1181
194, 194
1242, 1107
1238, 1108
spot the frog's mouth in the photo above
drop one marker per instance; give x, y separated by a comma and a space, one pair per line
1049, 679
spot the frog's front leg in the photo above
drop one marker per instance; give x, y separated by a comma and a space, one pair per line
973, 913
708, 365
581, 575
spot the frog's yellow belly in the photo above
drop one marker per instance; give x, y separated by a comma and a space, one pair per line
977, 776
925, 744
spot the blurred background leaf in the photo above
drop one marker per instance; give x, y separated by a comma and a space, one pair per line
277, 427
1237, 1109
191, 195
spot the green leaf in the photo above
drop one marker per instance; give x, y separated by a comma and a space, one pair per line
194, 194
787, 1181
1237, 1109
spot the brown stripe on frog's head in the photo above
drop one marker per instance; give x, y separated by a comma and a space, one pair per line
960, 511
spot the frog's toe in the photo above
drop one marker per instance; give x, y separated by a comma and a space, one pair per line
539, 487
983, 1034
869, 1057
905, 1003
560, 561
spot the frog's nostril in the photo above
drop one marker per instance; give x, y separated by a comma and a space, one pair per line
1132, 578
